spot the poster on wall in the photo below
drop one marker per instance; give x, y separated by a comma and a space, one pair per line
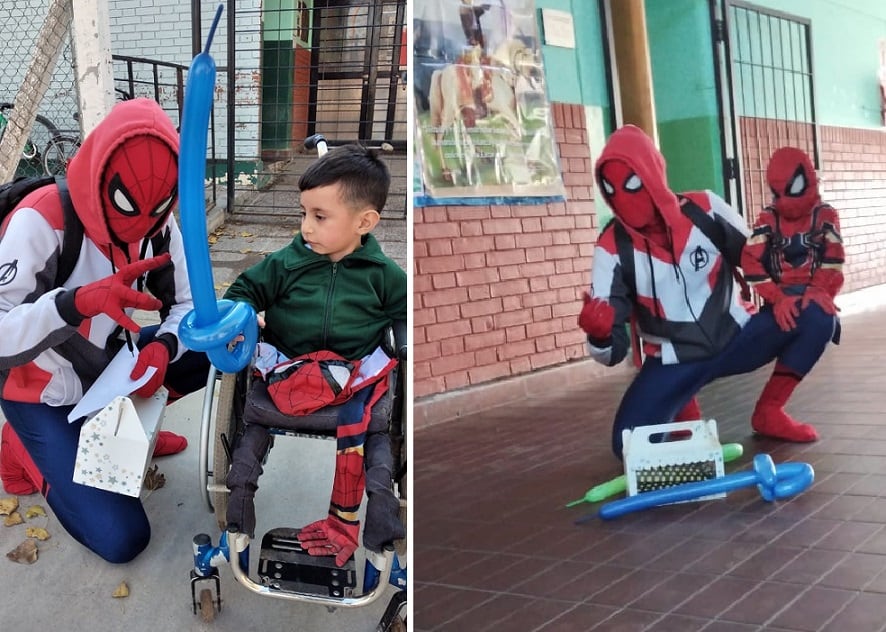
483, 125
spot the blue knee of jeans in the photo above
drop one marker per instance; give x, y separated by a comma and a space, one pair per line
816, 329
113, 526
122, 543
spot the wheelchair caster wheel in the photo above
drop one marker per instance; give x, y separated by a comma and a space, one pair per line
207, 607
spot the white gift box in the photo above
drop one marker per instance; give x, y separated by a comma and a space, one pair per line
117, 443
665, 455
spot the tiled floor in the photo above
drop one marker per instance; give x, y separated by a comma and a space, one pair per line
496, 549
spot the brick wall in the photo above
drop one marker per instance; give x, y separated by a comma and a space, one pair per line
497, 288
853, 180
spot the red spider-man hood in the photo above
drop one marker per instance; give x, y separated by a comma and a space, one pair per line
631, 146
135, 149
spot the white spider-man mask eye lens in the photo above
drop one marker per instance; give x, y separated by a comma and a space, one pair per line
797, 185
633, 183
608, 189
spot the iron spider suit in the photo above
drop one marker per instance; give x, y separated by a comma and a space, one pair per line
683, 298
793, 259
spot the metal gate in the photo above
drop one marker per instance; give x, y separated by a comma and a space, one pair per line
766, 82
300, 67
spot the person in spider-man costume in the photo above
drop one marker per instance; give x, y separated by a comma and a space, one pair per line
793, 259
667, 262
55, 341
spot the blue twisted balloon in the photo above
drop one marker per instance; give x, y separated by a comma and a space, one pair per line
212, 324
772, 482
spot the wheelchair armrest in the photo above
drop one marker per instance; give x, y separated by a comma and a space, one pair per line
400, 340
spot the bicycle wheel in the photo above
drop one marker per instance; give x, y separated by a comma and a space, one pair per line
42, 132
58, 153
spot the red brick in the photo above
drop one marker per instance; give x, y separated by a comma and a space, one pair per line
508, 319
453, 296
458, 379
483, 374
484, 340
477, 308
450, 363
448, 330
440, 230
479, 293
442, 281
440, 264
473, 244
505, 258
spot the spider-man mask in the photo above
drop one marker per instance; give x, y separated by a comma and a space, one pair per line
793, 182
626, 194
139, 187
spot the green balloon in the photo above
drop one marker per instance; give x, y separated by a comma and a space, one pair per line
619, 484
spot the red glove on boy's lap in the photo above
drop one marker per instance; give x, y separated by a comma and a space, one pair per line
112, 294
330, 537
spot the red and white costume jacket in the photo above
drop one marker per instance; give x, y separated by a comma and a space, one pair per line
682, 296
43, 359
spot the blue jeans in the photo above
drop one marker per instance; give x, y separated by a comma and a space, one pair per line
112, 525
659, 391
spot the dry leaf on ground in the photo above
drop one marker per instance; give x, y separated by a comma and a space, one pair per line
37, 532
154, 479
24, 553
33, 511
13, 519
8, 505
121, 591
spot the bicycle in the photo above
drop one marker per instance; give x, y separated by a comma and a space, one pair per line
58, 145
42, 126
58, 153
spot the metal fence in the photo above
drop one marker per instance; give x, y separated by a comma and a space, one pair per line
325, 67
318, 66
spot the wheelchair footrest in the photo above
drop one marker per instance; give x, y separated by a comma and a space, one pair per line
284, 565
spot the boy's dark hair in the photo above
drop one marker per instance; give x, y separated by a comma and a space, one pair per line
363, 176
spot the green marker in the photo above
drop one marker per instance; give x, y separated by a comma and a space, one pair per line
619, 484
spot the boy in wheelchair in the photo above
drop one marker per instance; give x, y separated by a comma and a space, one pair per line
329, 298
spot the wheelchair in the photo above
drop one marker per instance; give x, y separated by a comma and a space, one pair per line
285, 570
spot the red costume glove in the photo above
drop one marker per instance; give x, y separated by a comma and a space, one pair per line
114, 293
330, 537
769, 292
155, 354
786, 311
821, 297
596, 317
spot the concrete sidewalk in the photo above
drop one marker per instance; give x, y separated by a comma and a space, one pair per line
71, 586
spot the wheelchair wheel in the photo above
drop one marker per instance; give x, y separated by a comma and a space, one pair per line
226, 426
207, 607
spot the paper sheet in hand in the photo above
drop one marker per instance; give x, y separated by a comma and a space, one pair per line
113, 382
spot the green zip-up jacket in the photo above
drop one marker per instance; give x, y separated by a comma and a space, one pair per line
313, 304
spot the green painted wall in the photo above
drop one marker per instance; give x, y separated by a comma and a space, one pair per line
845, 48
845, 72
576, 75
278, 22
685, 92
